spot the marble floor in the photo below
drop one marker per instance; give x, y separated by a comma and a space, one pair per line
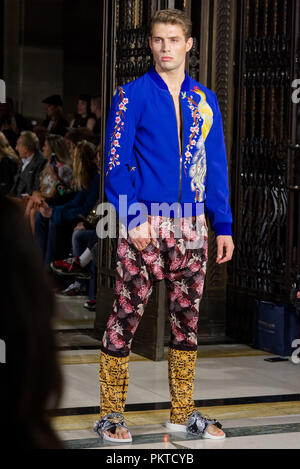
257, 401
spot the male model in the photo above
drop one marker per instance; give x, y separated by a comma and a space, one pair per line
165, 152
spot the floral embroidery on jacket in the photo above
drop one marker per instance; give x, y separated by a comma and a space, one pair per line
118, 129
197, 170
194, 129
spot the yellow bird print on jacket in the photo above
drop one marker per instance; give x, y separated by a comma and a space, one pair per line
198, 167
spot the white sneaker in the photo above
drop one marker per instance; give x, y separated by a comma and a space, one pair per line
74, 290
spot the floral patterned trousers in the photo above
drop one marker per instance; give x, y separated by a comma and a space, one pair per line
180, 258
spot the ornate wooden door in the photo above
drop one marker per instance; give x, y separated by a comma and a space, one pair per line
265, 160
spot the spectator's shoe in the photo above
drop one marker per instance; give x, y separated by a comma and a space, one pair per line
71, 267
90, 305
74, 290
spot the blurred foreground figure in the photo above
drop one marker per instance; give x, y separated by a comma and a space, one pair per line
32, 381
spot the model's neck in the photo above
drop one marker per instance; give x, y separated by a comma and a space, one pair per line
172, 78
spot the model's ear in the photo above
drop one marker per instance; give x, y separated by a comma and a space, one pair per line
150, 42
189, 44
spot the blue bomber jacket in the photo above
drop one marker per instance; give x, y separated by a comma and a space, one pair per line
143, 161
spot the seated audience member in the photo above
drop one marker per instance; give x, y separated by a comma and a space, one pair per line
81, 265
56, 179
55, 122
98, 156
78, 266
83, 118
27, 178
96, 110
5, 125
41, 134
17, 122
54, 224
32, 380
9, 163
74, 136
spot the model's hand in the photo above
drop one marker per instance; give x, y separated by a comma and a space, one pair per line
45, 210
142, 235
225, 248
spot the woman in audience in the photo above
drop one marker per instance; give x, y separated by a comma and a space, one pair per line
83, 118
83, 264
56, 179
31, 381
9, 163
74, 136
54, 224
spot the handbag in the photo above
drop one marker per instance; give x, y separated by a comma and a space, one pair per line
92, 218
276, 325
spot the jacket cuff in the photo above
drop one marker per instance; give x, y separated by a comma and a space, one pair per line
134, 215
133, 221
222, 229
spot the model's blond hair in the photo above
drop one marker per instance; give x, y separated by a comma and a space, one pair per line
6, 149
84, 163
173, 16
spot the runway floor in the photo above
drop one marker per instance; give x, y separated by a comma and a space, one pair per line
258, 402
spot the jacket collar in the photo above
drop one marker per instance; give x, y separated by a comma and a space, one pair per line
162, 84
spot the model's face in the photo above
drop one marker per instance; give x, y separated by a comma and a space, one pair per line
169, 46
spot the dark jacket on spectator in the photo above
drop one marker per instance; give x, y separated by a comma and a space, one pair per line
8, 170
29, 180
81, 204
59, 126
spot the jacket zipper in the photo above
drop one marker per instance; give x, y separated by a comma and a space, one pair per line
180, 150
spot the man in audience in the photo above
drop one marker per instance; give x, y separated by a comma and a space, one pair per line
28, 176
55, 122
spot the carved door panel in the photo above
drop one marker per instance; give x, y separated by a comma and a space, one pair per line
265, 160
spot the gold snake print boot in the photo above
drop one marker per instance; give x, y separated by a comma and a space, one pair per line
114, 376
181, 373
